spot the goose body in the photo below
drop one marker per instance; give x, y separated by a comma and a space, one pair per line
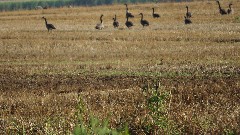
100, 25
129, 24
48, 26
128, 14
187, 20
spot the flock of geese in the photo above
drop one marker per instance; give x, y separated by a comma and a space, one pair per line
143, 22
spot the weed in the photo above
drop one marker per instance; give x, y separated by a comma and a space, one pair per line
229, 132
157, 100
94, 125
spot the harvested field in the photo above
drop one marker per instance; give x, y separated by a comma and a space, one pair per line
43, 73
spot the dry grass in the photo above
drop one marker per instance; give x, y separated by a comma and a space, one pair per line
42, 73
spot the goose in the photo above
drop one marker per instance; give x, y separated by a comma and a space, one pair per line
154, 14
115, 22
100, 26
48, 26
222, 11
143, 22
230, 10
128, 14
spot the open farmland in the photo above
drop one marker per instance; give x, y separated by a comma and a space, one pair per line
43, 74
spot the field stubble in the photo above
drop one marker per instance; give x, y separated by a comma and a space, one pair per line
43, 73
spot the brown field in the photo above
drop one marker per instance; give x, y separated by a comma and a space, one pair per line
44, 73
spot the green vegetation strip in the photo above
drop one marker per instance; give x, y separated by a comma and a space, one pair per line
32, 4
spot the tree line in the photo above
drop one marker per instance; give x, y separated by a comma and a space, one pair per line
32, 4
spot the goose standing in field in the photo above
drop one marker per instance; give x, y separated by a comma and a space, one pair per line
230, 10
128, 14
188, 14
129, 24
222, 11
143, 22
115, 22
48, 26
154, 14
187, 20
100, 25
